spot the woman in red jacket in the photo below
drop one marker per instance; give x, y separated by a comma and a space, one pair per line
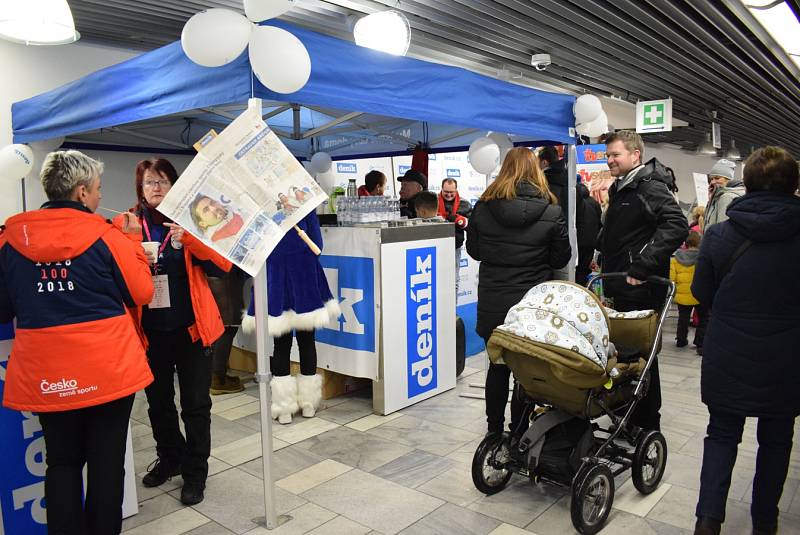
181, 324
69, 278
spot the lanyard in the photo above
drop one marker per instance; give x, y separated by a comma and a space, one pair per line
164, 243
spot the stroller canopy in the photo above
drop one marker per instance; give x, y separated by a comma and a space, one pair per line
562, 314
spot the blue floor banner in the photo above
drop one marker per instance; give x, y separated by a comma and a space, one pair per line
22, 463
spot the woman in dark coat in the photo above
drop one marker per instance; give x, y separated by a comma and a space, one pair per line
747, 273
518, 234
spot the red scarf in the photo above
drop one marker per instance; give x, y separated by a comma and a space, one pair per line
443, 210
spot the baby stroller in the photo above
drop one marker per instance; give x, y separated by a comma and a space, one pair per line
575, 361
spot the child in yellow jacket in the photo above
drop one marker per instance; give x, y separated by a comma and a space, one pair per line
681, 272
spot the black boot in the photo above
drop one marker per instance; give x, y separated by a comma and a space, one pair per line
192, 493
159, 472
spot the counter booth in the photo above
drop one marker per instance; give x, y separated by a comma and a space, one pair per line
395, 285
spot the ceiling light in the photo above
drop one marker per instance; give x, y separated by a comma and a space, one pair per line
707, 147
781, 23
37, 22
733, 152
387, 31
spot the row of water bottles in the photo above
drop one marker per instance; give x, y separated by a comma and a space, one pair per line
351, 210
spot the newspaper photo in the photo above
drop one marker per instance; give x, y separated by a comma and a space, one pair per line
242, 193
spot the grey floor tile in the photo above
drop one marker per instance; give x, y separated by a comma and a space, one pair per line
234, 498
414, 468
355, 448
212, 528
152, 509
676, 508
454, 485
424, 435
520, 503
346, 412
450, 519
285, 462
372, 501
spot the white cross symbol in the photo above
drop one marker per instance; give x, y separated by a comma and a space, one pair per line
653, 114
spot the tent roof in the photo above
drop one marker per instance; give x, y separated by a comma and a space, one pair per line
397, 92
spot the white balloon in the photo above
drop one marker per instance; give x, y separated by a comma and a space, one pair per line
587, 108
583, 129
258, 10
503, 142
598, 127
321, 162
279, 59
16, 161
484, 155
47, 145
215, 37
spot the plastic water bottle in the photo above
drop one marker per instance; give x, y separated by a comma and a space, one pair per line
351, 188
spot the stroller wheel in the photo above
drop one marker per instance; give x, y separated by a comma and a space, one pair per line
649, 461
491, 464
592, 496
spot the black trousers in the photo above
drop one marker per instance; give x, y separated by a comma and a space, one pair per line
496, 394
171, 352
648, 412
723, 435
94, 436
685, 316
279, 363
222, 351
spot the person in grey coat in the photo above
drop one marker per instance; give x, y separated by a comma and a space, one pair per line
723, 188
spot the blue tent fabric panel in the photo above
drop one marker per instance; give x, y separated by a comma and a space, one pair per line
155, 84
350, 77
344, 76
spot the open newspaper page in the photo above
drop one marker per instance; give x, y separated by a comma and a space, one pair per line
242, 193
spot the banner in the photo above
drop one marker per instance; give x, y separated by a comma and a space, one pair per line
242, 193
592, 167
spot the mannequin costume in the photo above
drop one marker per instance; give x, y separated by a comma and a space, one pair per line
299, 300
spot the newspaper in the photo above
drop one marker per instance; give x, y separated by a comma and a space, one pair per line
242, 193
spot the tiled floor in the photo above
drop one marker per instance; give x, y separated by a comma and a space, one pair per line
348, 471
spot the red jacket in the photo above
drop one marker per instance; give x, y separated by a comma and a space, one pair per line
208, 325
69, 278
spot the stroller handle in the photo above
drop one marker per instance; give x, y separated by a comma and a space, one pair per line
655, 279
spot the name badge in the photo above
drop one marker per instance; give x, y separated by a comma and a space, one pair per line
160, 292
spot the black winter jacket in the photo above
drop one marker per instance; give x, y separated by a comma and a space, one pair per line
588, 218
643, 226
750, 360
519, 243
558, 181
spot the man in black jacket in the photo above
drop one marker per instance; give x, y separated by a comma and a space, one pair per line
456, 210
643, 226
555, 171
588, 221
411, 183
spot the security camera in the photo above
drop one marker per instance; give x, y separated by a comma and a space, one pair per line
540, 61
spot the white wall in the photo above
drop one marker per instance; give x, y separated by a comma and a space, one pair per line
117, 181
32, 70
684, 164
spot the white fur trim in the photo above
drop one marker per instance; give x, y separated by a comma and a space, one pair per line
307, 321
284, 397
248, 325
309, 393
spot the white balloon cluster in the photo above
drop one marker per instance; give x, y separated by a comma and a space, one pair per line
321, 162
486, 153
590, 119
218, 36
16, 161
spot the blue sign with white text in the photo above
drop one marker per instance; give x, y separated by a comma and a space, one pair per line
22, 508
454, 173
421, 320
352, 281
402, 169
346, 167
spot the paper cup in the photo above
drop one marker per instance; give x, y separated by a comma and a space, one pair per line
151, 247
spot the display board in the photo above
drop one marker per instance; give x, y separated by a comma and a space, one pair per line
592, 167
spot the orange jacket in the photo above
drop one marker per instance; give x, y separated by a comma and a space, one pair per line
208, 325
69, 277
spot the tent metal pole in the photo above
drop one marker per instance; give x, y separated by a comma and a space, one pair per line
572, 190
263, 377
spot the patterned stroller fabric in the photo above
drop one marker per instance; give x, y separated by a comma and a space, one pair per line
564, 315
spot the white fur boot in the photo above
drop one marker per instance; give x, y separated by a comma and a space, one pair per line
284, 398
309, 393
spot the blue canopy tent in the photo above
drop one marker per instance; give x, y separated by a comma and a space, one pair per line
344, 77
357, 102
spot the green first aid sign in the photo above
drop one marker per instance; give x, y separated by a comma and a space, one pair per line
654, 116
